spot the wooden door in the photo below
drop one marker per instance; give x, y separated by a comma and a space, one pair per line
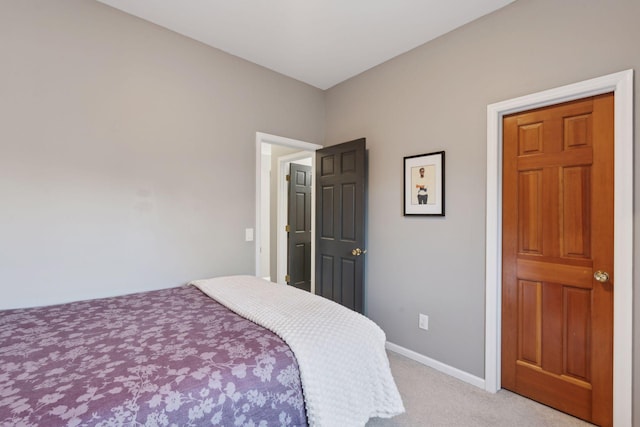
299, 227
340, 215
557, 319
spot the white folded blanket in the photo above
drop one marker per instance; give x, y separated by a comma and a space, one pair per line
344, 369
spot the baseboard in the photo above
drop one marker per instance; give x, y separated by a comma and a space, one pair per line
438, 366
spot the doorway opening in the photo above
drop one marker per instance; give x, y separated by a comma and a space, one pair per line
621, 84
274, 154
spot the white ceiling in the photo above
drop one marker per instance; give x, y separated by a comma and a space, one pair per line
320, 42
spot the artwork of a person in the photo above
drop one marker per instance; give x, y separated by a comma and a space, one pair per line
421, 185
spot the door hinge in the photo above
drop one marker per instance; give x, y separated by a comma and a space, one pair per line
287, 228
288, 178
287, 278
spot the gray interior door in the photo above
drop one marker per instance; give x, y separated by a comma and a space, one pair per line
340, 216
299, 236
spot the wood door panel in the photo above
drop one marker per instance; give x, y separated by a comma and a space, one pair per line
529, 206
557, 321
577, 321
530, 322
577, 131
530, 138
552, 328
569, 396
576, 212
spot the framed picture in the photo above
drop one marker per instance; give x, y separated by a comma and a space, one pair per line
424, 184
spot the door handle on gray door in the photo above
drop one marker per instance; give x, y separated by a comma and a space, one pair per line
358, 252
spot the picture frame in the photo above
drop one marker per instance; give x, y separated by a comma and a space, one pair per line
424, 184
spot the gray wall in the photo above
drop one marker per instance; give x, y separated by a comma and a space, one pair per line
435, 98
127, 152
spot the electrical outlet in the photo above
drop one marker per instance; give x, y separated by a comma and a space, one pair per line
423, 322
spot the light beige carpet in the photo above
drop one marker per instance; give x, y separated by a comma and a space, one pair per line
432, 398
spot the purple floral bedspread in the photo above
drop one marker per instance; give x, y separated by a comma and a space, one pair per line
171, 357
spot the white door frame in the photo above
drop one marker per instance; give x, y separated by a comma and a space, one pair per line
287, 142
283, 210
622, 85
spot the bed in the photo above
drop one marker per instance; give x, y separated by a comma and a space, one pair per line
228, 351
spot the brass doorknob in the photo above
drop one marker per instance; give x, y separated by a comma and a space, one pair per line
358, 252
601, 276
